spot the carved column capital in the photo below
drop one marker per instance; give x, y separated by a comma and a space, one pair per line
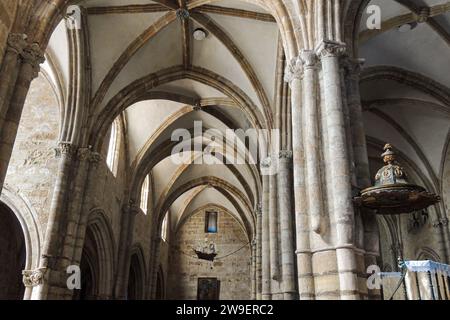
309, 59
65, 149
33, 278
83, 154
285, 154
258, 210
34, 56
95, 158
294, 70
352, 67
266, 163
17, 42
330, 49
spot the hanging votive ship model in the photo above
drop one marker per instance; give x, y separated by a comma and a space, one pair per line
207, 252
392, 194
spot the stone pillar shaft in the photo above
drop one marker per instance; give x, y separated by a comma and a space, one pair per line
293, 75
339, 168
258, 254
51, 251
265, 257
361, 160
312, 142
286, 226
273, 229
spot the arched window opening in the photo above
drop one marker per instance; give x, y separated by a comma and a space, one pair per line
144, 194
113, 148
164, 230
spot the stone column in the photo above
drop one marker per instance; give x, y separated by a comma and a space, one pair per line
361, 160
293, 76
265, 254
312, 142
273, 229
153, 273
10, 69
11, 108
54, 235
286, 223
253, 268
258, 252
129, 213
339, 168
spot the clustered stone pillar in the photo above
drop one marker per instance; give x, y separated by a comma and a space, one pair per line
19, 67
339, 168
289, 287
305, 280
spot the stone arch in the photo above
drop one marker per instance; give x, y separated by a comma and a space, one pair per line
222, 186
28, 219
98, 257
445, 177
138, 91
48, 15
427, 253
137, 275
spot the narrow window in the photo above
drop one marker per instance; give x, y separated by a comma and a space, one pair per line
112, 148
164, 228
211, 222
144, 194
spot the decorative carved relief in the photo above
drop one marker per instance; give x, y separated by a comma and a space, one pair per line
33, 278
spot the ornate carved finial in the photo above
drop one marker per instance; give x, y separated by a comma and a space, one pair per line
294, 70
392, 172
331, 49
33, 278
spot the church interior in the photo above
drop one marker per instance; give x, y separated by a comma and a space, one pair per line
92, 91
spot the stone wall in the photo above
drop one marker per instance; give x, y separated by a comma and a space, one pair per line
233, 272
33, 165
7, 16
